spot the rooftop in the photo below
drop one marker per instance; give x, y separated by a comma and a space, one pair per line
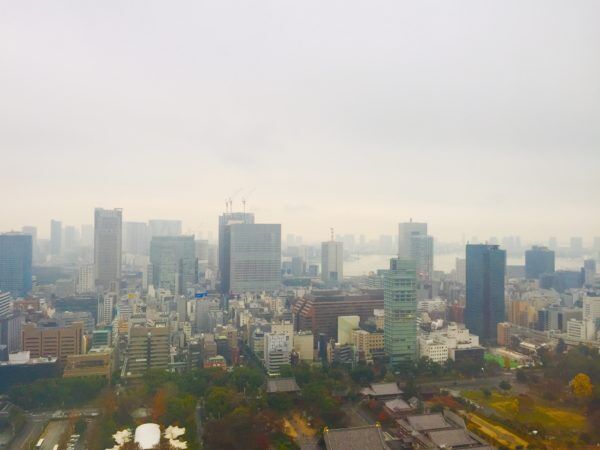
451, 438
359, 438
397, 404
277, 385
425, 422
381, 390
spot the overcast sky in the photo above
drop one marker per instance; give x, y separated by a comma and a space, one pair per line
479, 117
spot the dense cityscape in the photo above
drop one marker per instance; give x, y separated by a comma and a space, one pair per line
309, 225
118, 330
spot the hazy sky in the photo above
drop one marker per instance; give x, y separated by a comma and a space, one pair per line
479, 117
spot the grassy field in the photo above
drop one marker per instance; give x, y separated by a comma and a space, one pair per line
496, 433
500, 360
559, 422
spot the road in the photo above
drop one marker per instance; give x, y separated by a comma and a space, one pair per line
54, 431
30, 432
36, 423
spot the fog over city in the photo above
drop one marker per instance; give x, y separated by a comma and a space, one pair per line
480, 118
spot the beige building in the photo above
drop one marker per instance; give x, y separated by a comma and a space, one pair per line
96, 363
503, 334
366, 343
522, 313
148, 349
58, 342
304, 345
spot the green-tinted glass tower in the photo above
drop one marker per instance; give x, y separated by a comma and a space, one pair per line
400, 307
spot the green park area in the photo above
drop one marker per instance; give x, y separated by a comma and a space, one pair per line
527, 414
489, 357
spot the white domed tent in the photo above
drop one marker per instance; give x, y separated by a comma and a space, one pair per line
147, 436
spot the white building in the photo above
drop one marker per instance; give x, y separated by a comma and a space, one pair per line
414, 243
86, 279
447, 340
576, 329
435, 349
591, 316
278, 347
5, 304
106, 305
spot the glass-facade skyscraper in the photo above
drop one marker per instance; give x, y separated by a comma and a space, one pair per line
400, 311
108, 226
486, 266
16, 250
538, 261
174, 262
252, 258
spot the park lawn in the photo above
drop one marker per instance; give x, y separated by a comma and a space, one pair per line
500, 360
557, 421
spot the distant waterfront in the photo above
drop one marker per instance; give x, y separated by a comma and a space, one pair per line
444, 262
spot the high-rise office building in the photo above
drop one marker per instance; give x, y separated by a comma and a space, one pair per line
5, 304
32, 231
148, 348
485, 308
174, 262
135, 238
400, 311
87, 235
226, 219
332, 262
421, 251
106, 307
589, 272
107, 246
86, 279
55, 237
71, 238
15, 263
405, 231
252, 258
538, 260
576, 245
414, 243
161, 227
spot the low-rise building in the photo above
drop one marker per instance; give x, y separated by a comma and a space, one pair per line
98, 362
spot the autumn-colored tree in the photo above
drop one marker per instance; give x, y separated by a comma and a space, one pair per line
159, 405
581, 386
506, 360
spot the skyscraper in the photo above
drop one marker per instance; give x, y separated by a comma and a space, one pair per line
71, 237
55, 237
229, 218
252, 257
400, 311
174, 262
485, 309
135, 238
332, 261
538, 260
162, 227
15, 263
107, 246
414, 243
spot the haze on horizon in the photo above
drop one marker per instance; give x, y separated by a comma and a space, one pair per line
480, 118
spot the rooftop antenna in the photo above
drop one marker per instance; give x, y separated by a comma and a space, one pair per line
226, 206
331, 234
244, 209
